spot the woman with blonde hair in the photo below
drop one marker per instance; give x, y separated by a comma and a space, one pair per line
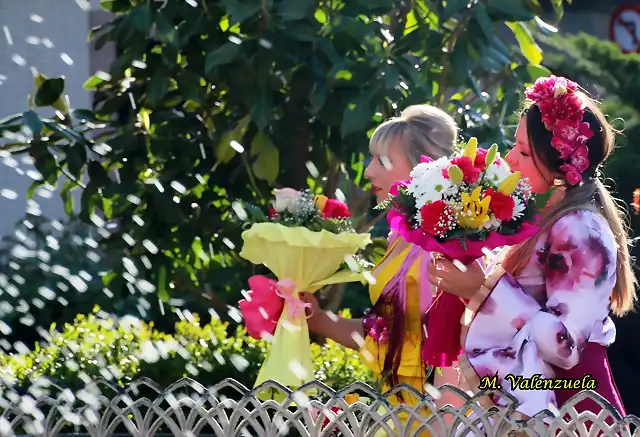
543, 311
391, 336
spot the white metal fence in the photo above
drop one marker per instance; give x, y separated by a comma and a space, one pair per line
187, 408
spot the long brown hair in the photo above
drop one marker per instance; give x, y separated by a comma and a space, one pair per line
591, 195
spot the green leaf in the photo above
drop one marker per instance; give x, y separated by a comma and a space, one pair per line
46, 164
33, 122
491, 154
11, 120
157, 86
67, 197
166, 31
455, 174
221, 56
87, 201
163, 293
356, 115
451, 8
484, 21
291, 10
558, 8
50, 91
240, 10
320, 16
141, 17
318, 96
93, 82
190, 85
266, 165
262, 108
528, 46
411, 23
536, 71
224, 152
541, 200
509, 10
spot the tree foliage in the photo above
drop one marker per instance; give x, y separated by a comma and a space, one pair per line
212, 101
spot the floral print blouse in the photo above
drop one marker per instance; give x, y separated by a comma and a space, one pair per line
560, 301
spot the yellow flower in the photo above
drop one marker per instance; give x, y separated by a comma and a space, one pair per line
351, 398
510, 183
321, 201
475, 211
471, 149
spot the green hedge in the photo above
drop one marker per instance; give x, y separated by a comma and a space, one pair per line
99, 345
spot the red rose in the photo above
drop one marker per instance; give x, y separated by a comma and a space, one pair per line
272, 213
481, 159
501, 205
436, 217
335, 209
469, 171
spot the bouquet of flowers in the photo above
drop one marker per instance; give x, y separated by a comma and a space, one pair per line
460, 207
304, 240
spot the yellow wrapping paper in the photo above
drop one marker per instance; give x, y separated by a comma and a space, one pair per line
311, 259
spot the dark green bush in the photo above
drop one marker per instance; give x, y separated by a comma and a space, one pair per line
121, 350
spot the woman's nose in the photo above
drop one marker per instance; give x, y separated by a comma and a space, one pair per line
368, 172
511, 159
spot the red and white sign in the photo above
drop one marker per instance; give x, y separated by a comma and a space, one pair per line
624, 28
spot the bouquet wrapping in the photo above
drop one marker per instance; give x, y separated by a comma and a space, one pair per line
304, 242
460, 207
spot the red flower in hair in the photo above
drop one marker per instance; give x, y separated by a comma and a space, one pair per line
436, 217
567, 107
580, 159
565, 147
562, 111
571, 173
636, 200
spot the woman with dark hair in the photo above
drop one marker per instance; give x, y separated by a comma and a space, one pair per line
543, 310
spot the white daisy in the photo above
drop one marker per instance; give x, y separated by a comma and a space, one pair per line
498, 171
493, 223
518, 208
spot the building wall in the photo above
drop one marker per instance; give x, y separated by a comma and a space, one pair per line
52, 40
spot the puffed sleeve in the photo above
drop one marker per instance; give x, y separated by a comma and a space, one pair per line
511, 332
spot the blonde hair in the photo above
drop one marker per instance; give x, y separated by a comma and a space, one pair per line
592, 195
421, 129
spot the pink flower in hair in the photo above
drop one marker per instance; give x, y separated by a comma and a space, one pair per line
565, 147
584, 133
548, 88
580, 159
572, 175
567, 130
567, 107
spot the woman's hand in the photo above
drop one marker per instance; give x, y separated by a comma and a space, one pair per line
347, 332
314, 312
465, 284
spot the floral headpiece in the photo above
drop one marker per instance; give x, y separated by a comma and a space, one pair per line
562, 113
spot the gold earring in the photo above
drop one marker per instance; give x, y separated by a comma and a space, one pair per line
557, 182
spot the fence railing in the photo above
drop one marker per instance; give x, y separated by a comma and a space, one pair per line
187, 408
